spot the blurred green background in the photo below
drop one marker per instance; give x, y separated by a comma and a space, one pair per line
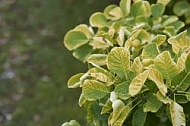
34, 64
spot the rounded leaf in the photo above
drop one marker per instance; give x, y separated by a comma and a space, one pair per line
157, 10
125, 6
122, 90
71, 123
74, 81
88, 31
74, 39
98, 20
140, 8
108, 9
118, 60
165, 64
181, 7
93, 90
116, 13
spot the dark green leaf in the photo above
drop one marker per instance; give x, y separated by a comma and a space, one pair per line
181, 7
152, 104
181, 98
150, 51
83, 52
181, 81
157, 10
122, 90
139, 117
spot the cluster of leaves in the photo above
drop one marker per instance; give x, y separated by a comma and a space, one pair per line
139, 66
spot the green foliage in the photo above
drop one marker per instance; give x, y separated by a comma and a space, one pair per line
140, 65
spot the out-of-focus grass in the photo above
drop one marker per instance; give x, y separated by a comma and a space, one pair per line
34, 64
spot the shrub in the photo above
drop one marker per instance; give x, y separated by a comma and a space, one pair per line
139, 65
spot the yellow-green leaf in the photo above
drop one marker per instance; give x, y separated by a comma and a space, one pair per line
118, 60
188, 96
165, 64
179, 42
100, 43
101, 75
98, 20
169, 30
107, 107
88, 31
125, 6
147, 63
97, 59
107, 11
137, 83
181, 61
164, 2
157, 78
137, 66
124, 114
93, 90
177, 114
74, 81
74, 39
141, 8
121, 37
71, 123
81, 100
159, 39
164, 99
187, 63
119, 114
117, 106
116, 13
